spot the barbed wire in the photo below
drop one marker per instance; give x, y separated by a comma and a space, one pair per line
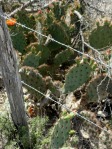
65, 107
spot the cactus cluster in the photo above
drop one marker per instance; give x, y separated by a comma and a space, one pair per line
47, 58
33, 78
48, 65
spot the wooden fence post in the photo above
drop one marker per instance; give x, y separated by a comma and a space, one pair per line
11, 77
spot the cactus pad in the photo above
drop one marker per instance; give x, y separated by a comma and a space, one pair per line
31, 60
91, 89
19, 41
62, 57
28, 20
45, 53
101, 36
76, 77
61, 131
60, 32
34, 79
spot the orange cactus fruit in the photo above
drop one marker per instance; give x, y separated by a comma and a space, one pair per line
11, 22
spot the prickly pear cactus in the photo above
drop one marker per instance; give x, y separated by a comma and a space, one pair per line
77, 76
62, 57
93, 89
61, 131
101, 37
31, 60
33, 78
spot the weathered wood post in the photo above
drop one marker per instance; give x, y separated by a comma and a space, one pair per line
11, 78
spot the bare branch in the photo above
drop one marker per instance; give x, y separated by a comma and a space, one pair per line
22, 7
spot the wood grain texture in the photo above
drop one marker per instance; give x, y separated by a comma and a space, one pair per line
12, 81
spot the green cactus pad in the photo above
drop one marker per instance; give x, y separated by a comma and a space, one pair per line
45, 53
24, 18
91, 89
61, 132
60, 32
69, 116
101, 37
31, 60
19, 41
76, 77
33, 78
62, 57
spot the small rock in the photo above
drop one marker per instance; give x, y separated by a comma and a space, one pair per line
25, 91
26, 97
102, 114
84, 134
